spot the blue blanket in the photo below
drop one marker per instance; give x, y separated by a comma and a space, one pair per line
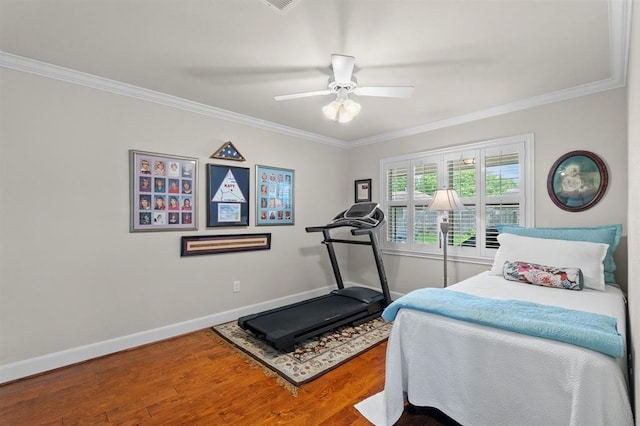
586, 329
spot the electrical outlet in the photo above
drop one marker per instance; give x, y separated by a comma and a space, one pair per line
236, 286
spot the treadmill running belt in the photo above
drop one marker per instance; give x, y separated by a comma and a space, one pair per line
312, 314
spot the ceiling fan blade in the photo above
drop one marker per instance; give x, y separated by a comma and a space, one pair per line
342, 68
302, 95
385, 92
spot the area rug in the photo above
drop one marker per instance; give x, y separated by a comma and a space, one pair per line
312, 357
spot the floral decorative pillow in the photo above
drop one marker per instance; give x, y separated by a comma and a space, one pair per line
585, 255
547, 276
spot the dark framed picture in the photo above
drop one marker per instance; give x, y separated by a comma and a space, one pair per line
227, 196
577, 181
274, 196
214, 244
162, 189
362, 190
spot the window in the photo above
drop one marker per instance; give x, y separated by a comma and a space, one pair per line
494, 180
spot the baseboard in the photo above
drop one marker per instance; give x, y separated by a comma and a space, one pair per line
29, 367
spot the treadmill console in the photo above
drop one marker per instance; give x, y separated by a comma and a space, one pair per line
361, 210
359, 215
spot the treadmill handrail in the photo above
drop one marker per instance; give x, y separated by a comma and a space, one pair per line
315, 228
340, 240
356, 231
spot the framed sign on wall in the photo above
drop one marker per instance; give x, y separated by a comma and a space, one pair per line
214, 244
362, 190
162, 189
227, 196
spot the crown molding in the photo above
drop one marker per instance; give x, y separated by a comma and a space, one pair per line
20, 63
549, 98
619, 36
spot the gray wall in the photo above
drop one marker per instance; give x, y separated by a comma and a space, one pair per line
595, 123
71, 273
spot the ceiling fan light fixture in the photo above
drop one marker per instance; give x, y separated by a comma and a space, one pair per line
342, 109
331, 110
344, 117
351, 107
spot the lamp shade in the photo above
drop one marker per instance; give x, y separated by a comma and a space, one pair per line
445, 200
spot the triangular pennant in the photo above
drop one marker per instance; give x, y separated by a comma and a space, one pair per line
228, 152
229, 190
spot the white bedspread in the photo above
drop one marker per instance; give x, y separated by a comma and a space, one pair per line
479, 375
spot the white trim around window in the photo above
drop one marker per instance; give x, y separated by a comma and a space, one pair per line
493, 178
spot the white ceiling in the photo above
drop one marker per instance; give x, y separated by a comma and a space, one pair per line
466, 58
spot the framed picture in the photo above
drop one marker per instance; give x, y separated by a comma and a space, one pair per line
274, 196
363, 190
577, 181
214, 244
227, 196
162, 189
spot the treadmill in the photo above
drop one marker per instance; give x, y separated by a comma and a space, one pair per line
283, 327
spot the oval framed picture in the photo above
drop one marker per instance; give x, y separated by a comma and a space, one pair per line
577, 181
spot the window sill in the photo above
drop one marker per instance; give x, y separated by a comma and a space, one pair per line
450, 256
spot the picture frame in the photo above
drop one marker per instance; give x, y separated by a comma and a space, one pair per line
362, 190
162, 191
577, 181
227, 196
228, 152
214, 244
275, 196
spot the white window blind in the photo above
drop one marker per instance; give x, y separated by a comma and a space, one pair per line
396, 199
494, 182
503, 194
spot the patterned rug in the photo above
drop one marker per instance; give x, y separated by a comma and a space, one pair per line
312, 357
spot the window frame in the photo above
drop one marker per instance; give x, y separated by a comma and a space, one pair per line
523, 144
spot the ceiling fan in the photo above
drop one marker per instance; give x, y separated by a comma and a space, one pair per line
343, 82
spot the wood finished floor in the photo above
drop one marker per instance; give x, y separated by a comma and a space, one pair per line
192, 379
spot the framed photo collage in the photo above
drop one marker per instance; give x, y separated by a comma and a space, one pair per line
274, 196
163, 192
164, 187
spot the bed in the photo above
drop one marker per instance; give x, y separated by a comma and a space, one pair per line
481, 374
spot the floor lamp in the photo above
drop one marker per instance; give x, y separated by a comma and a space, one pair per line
445, 200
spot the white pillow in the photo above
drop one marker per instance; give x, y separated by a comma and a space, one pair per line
585, 255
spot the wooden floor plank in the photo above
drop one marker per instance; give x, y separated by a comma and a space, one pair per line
191, 379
